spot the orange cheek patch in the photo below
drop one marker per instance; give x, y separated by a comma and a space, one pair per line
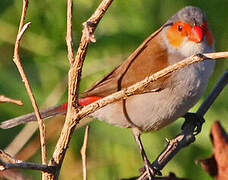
175, 38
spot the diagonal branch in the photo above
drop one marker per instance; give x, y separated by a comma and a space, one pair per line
187, 135
17, 61
140, 86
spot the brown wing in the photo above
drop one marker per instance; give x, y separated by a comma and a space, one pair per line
148, 58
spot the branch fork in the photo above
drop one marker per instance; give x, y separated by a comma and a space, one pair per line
74, 114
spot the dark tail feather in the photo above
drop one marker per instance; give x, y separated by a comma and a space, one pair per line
52, 111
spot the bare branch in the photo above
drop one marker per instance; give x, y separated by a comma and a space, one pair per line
73, 84
74, 114
83, 152
4, 99
23, 15
17, 61
27, 165
8, 162
69, 38
140, 86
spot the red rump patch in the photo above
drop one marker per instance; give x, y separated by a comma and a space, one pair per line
88, 100
82, 101
64, 106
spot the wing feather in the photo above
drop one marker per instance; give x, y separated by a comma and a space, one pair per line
148, 58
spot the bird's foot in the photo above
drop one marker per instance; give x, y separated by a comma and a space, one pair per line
195, 120
151, 171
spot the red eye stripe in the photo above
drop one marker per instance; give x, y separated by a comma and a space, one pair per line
183, 28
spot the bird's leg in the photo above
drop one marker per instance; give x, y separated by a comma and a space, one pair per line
194, 118
150, 170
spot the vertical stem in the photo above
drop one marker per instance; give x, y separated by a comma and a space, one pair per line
17, 61
83, 152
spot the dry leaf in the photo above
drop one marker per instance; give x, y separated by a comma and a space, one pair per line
217, 165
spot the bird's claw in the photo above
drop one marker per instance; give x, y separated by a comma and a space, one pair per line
195, 119
151, 171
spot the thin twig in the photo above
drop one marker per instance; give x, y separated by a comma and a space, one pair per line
69, 38
4, 99
23, 15
8, 162
17, 61
73, 84
27, 165
83, 152
187, 135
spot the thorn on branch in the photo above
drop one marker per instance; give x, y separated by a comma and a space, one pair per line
90, 37
24, 28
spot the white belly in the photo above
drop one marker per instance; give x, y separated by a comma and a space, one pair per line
152, 111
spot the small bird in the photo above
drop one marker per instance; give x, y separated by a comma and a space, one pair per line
186, 33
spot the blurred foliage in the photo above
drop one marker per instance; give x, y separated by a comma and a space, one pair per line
112, 152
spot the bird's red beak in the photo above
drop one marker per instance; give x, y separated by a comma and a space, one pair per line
196, 34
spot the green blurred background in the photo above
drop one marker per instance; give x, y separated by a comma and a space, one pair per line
112, 152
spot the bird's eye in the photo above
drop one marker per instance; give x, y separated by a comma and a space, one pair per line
179, 28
